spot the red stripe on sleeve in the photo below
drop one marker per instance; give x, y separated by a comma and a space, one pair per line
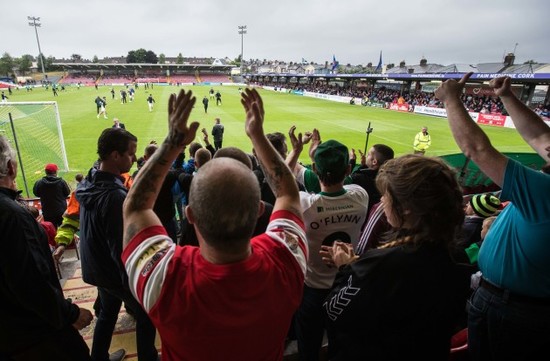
140, 237
287, 215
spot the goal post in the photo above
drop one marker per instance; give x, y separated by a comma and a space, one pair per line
34, 131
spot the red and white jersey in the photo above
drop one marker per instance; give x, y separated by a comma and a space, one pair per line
205, 311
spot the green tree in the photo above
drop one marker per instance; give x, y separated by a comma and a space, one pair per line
25, 63
95, 59
179, 59
141, 56
136, 56
162, 58
49, 64
131, 57
151, 57
76, 58
6, 65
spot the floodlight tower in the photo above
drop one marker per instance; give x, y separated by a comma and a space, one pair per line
242, 31
36, 24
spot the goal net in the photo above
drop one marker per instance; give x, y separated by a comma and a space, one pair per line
34, 131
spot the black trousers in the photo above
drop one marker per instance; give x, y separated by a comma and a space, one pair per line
64, 345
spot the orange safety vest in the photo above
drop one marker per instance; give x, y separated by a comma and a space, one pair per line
128, 180
73, 207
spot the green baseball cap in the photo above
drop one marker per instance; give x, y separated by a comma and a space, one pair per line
331, 157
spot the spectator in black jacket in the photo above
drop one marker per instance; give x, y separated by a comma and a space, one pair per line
53, 192
101, 196
365, 176
37, 321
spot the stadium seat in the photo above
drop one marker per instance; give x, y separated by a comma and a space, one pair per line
459, 346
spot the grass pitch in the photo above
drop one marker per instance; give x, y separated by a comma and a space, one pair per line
340, 121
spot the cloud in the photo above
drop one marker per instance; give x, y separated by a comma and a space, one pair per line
442, 31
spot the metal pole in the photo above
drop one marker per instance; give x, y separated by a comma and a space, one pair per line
463, 170
36, 24
19, 155
242, 31
369, 130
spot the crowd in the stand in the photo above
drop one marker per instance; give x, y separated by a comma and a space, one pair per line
474, 103
229, 255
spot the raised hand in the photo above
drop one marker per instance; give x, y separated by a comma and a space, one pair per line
352, 154
254, 108
179, 109
315, 141
363, 158
205, 136
501, 86
306, 137
452, 89
295, 141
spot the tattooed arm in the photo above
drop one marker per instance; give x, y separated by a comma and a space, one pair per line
277, 173
138, 206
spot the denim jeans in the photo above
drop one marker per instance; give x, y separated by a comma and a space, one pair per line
310, 323
110, 303
502, 328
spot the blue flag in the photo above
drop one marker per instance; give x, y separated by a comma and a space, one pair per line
379, 66
335, 63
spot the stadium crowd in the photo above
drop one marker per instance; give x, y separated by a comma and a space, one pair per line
382, 256
474, 103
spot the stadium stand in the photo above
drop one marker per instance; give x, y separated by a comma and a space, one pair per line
75, 78
182, 79
215, 78
116, 79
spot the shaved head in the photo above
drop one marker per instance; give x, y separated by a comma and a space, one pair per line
225, 201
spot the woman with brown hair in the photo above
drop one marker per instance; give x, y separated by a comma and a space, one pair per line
403, 300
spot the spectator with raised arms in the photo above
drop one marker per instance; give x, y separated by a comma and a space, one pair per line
233, 297
509, 313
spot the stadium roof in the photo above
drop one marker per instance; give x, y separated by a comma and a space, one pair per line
138, 66
522, 73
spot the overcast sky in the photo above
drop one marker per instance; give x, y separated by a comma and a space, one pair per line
355, 31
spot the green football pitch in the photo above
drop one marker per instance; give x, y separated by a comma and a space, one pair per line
340, 121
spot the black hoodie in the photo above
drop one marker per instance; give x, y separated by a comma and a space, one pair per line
101, 196
53, 192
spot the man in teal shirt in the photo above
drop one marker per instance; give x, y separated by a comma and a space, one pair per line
509, 313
